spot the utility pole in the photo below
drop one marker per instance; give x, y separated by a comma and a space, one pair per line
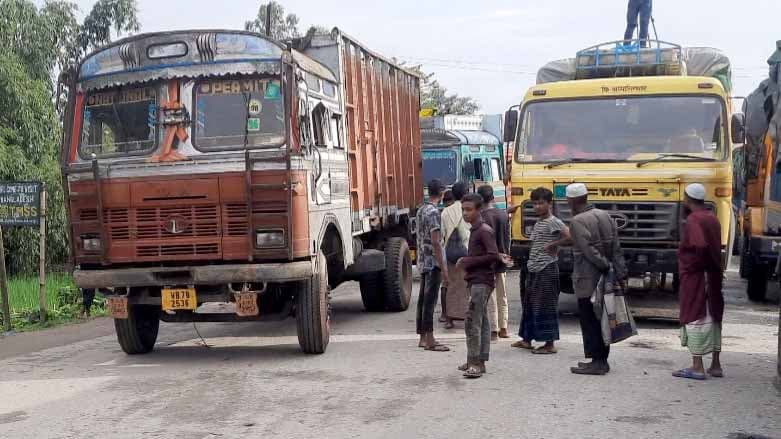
4, 287
269, 9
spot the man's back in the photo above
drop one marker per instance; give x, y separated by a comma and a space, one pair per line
595, 246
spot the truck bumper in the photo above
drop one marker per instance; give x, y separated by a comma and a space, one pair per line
765, 249
638, 260
193, 275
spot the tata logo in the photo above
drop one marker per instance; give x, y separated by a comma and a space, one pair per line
666, 191
621, 220
176, 224
615, 192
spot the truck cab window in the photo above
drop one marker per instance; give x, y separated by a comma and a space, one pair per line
478, 169
119, 121
321, 125
335, 131
230, 113
496, 170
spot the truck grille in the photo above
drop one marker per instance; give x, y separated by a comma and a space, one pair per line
641, 221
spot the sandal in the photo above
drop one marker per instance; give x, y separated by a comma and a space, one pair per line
716, 373
690, 374
542, 350
438, 348
522, 344
449, 325
464, 367
473, 372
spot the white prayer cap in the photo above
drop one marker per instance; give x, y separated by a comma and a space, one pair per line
577, 190
696, 191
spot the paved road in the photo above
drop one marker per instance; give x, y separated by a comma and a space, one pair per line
373, 382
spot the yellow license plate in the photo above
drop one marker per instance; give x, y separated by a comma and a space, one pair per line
179, 298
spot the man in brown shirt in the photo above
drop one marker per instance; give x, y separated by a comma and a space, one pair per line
480, 267
499, 221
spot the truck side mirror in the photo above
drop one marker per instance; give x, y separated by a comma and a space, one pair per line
738, 128
510, 125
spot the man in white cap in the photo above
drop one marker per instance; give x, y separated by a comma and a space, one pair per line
595, 249
700, 296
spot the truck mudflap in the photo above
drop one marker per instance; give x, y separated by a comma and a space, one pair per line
638, 260
193, 275
765, 248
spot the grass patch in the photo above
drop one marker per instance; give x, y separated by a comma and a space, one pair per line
63, 301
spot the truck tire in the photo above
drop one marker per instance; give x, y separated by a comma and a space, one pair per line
746, 263
313, 311
756, 288
397, 277
137, 333
373, 291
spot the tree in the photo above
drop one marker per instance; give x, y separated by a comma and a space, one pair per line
36, 44
434, 96
283, 26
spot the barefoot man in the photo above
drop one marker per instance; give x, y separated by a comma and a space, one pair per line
700, 296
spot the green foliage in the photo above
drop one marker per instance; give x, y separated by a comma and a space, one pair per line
63, 302
36, 44
282, 26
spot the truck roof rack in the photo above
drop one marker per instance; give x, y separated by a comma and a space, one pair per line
629, 58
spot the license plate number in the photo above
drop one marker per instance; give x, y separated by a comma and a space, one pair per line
117, 306
179, 299
247, 304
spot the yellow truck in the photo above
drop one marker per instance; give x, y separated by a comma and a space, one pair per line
636, 125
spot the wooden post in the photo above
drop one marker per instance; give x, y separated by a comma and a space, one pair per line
42, 258
4, 287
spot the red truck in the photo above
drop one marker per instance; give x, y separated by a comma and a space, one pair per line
221, 166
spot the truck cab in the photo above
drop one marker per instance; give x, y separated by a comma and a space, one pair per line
636, 131
467, 149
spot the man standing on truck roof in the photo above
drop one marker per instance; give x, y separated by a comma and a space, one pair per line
595, 248
641, 9
700, 298
431, 265
499, 221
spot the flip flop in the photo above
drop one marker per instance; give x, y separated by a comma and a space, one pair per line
473, 373
715, 374
438, 348
690, 374
522, 345
544, 351
464, 367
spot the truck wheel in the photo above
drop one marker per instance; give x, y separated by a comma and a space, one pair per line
397, 277
745, 264
565, 284
313, 313
373, 291
756, 288
137, 333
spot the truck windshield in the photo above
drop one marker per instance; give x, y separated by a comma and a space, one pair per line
119, 121
440, 164
627, 129
228, 112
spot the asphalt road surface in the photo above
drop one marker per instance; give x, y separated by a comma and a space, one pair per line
252, 381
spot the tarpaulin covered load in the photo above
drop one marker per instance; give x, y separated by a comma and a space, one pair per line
710, 62
696, 61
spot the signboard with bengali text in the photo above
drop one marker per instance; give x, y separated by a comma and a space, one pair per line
20, 204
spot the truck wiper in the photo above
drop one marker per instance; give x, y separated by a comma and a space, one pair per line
679, 156
579, 160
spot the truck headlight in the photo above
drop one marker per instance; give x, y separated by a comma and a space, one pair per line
269, 238
91, 243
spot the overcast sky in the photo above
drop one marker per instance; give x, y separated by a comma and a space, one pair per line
491, 49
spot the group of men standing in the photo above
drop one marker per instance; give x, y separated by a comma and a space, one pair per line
473, 281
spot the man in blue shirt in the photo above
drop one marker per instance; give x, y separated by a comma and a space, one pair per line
641, 9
